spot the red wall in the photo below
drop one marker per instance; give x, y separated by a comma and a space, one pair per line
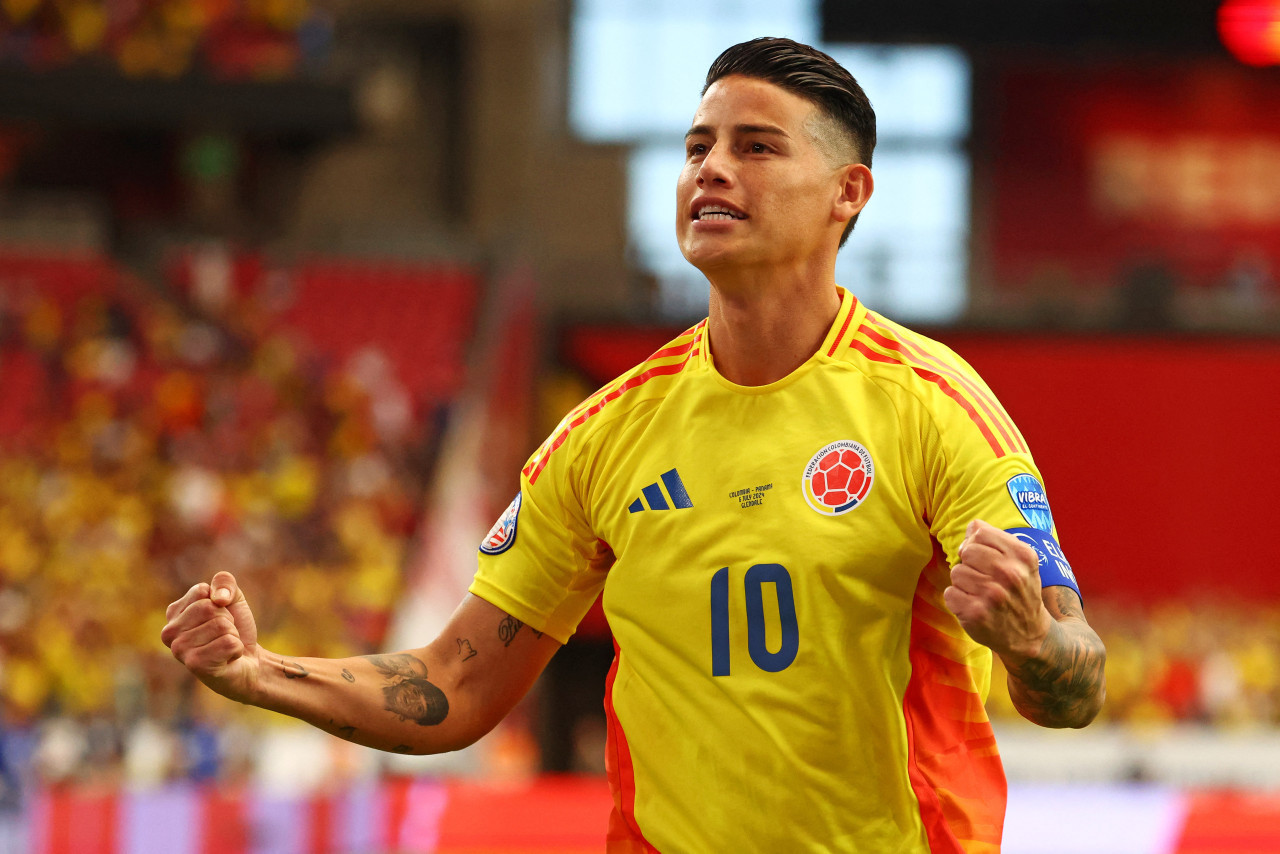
1160, 456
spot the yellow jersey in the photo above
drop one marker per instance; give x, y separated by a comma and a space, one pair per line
787, 677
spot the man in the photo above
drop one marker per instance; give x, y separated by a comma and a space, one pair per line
782, 508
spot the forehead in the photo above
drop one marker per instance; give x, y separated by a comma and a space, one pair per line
737, 100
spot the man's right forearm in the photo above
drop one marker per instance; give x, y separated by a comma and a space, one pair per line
432, 700
389, 702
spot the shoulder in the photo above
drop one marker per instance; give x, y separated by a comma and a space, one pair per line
888, 351
920, 372
621, 399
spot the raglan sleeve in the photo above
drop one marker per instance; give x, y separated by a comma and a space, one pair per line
978, 466
535, 563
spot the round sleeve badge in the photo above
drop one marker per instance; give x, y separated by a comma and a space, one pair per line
1029, 497
838, 478
503, 533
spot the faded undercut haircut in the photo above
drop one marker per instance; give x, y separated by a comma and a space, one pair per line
811, 74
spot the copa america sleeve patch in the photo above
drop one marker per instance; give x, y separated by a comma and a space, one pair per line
1030, 499
1054, 569
503, 533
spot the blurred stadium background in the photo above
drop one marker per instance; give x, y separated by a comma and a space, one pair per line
291, 287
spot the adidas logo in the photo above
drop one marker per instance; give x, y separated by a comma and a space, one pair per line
657, 501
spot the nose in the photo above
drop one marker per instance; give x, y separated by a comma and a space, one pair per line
715, 168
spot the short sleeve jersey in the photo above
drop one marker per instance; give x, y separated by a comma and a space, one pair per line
787, 677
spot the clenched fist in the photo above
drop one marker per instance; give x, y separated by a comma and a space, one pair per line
212, 632
995, 592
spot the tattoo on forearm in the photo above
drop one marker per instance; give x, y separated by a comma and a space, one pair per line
294, 670
346, 674
407, 692
1065, 684
465, 649
509, 627
342, 731
507, 630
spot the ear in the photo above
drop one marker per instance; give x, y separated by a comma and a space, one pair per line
856, 185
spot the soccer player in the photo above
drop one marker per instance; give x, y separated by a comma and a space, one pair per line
812, 528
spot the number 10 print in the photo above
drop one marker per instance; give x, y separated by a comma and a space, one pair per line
753, 585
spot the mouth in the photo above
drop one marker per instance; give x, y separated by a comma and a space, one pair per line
716, 213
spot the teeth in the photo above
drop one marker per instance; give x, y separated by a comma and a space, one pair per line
716, 212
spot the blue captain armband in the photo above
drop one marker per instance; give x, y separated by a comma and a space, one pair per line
1055, 571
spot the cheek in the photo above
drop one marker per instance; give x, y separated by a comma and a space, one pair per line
685, 182
805, 208
684, 193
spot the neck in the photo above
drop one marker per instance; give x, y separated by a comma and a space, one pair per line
760, 332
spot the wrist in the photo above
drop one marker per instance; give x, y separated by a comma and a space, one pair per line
1030, 645
278, 681
250, 688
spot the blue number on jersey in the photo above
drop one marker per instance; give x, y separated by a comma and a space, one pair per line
757, 576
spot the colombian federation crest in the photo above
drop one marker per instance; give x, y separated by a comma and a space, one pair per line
503, 533
838, 478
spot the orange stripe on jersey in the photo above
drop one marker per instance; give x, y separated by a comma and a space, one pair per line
673, 350
624, 835
994, 411
853, 307
952, 760
876, 356
610, 393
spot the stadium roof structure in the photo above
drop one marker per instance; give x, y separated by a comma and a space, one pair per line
1169, 26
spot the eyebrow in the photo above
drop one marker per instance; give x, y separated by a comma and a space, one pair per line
706, 130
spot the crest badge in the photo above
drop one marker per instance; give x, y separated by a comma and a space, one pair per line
838, 478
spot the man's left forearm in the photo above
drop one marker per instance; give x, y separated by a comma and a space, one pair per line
1063, 684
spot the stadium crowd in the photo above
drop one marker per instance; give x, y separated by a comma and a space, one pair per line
1213, 663
149, 434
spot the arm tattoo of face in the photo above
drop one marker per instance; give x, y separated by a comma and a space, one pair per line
407, 692
509, 627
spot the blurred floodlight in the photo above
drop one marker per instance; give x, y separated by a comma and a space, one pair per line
1250, 29
651, 209
908, 255
918, 91
637, 66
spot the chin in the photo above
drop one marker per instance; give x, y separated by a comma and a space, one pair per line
708, 262
707, 258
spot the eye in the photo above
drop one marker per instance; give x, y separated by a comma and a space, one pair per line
696, 149
759, 148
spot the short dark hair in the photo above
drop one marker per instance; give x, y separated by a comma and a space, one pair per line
814, 76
